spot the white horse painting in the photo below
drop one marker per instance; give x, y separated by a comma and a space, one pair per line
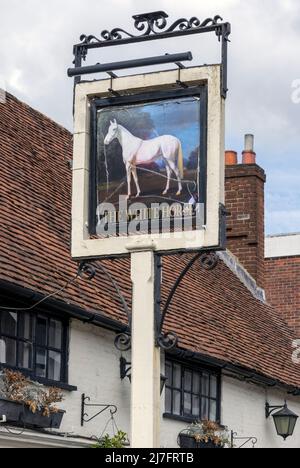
137, 151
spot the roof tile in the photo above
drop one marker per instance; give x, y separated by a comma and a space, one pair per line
213, 313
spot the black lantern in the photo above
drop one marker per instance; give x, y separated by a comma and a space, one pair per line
125, 371
285, 420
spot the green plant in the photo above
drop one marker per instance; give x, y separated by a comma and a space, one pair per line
209, 431
118, 441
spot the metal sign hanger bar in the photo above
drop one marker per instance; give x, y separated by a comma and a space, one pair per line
152, 26
145, 62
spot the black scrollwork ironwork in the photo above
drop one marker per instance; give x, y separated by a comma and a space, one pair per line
164, 340
243, 440
169, 340
86, 270
152, 24
85, 403
123, 342
115, 285
209, 260
147, 22
194, 23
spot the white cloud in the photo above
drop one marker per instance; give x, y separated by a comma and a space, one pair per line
16, 82
296, 91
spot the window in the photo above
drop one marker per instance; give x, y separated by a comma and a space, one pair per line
191, 392
35, 343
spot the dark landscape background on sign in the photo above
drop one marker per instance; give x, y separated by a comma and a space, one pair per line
178, 117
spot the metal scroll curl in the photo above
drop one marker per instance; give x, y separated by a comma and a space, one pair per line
194, 23
123, 342
155, 25
169, 340
209, 261
86, 270
149, 24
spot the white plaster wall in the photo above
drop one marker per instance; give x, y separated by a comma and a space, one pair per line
94, 369
282, 246
243, 410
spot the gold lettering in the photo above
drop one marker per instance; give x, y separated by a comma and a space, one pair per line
177, 210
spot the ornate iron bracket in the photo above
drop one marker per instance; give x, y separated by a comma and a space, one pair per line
165, 340
123, 340
169, 340
246, 440
86, 270
271, 409
152, 26
125, 369
85, 417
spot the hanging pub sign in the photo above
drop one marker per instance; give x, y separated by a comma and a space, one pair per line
148, 163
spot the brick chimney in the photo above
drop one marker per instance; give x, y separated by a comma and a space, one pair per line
244, 189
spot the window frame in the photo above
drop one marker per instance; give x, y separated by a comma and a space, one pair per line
63, 351
200, 369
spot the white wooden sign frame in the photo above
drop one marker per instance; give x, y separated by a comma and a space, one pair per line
85, 247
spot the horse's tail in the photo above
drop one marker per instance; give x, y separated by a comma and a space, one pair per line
180, 161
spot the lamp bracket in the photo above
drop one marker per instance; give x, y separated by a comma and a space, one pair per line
270, 409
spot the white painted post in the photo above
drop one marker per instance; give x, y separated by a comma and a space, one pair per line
145, 371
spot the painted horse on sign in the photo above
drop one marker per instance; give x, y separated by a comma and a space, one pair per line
137, 151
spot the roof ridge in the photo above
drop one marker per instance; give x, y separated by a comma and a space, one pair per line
36, 111
287, 234
232, 262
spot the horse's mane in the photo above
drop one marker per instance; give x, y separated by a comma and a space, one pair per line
128, 132
125, 129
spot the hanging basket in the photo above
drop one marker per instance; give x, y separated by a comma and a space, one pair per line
20, 415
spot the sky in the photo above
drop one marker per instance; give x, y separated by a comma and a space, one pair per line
180, 118
264, 72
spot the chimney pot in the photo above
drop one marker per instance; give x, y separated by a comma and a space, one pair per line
231, 158
249, 143
245, 225
249, 157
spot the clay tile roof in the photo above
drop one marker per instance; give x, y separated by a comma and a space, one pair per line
213, 313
